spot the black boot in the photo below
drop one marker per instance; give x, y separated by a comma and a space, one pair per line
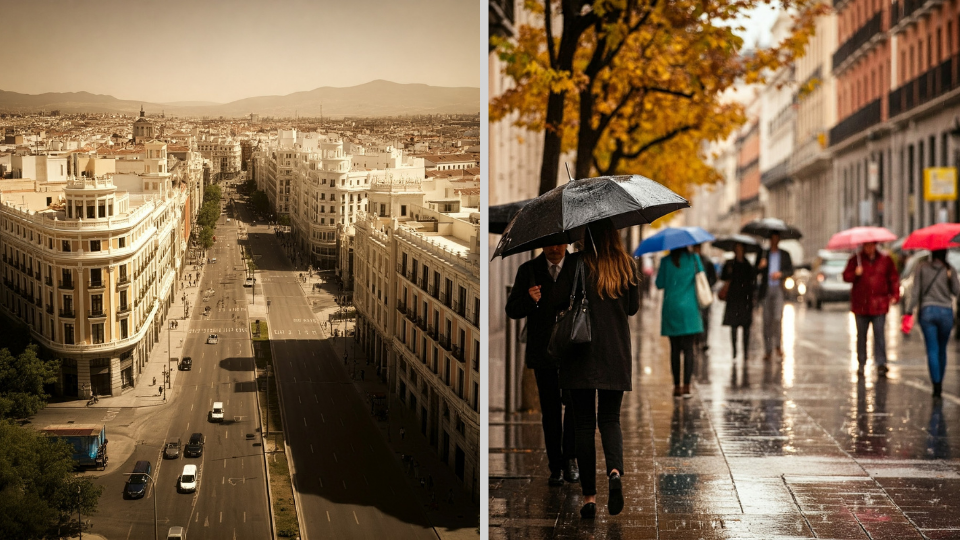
937, 388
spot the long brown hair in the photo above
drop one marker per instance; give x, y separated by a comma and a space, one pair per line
607, 260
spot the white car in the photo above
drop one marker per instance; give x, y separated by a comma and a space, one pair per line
228, 220
249, 282
216, 414
175, 533
213, 339
188, 480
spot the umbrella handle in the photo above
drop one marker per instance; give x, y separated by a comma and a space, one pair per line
567, 165
593, 243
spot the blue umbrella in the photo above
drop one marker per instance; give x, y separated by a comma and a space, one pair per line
673, 238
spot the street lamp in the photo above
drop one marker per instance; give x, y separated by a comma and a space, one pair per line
169, 355
156, 522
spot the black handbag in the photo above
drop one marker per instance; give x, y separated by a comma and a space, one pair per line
573, 324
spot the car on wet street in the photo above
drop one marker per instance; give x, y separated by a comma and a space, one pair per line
213, 339
826, 283
172, 450
186, 364
187, 483
194, 447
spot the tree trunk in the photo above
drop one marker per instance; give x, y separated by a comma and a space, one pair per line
550, 164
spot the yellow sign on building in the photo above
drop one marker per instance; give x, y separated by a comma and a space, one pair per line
940, 184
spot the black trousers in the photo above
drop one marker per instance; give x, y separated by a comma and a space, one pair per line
558, 430
746, 340
593, 409
682, 344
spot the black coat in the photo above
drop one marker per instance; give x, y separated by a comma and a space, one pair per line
709, 270
540, 316
606, 362
786, 269
740, 294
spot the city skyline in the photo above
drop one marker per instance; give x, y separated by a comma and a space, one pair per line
275, 53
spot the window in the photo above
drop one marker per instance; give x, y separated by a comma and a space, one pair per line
96, 303
96, 277
122, 242
68, 334
94, 245
123, 300
65, 245
403, 209
91, 212
97, 334
124, 331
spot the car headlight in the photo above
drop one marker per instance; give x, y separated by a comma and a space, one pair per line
788, 283
801, 289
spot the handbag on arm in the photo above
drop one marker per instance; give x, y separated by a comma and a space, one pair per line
573, 323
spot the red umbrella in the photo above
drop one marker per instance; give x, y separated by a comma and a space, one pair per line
939, 236
857, 236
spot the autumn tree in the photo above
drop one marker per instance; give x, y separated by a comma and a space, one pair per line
636, 85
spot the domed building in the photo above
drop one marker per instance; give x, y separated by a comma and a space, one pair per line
143, 130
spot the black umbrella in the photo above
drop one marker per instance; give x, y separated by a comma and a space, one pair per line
560, 215
501, 214
767, 226
727, 243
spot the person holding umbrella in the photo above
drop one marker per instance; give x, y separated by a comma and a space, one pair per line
597, 373
775, 266
539, 292
876, 285
739, 279
680, 318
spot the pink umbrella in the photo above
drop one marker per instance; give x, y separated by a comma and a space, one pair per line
857, 236
939, 236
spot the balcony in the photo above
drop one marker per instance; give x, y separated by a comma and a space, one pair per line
432, 332
433, 291
902, 10
123, 279
68, 313
96, 313
859, 38
857, 122
30, 271
96, 285
445, 299
930, 85
48, 281
444, 342
50, 309
124, 308
458, 353
460, 309
401, 307
421, 323
66, 284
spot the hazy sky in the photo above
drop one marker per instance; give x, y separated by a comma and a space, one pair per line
759, 23
224, 50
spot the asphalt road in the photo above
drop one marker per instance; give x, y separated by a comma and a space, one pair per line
231, 498
349, 483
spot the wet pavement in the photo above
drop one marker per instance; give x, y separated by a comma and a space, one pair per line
798, 447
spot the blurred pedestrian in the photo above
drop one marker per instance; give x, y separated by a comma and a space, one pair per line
540, 290
711, 271
876, 285
935, 285
775, 267
599, 372
739, 287
680, 313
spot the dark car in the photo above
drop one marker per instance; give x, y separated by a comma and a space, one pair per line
136, 486
172, 450
194, 447
186, 364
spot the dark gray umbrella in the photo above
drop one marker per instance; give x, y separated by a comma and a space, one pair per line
727, 243
767, 226
560, 215
501, 214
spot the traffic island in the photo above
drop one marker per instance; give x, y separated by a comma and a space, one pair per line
284, 508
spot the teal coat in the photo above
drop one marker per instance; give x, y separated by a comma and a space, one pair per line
681, 312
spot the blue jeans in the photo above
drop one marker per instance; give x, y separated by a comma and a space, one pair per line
879, 338
936, 323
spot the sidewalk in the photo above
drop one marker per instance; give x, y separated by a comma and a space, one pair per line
145, 393
798, 447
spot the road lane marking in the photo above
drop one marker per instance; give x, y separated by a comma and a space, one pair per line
341, 422
335, 457
322, 418
321, 485
355, 517
298, 400
328, 517
304, 421
197, 520
221, 518
244, 517
315, 398
311, 448
344, 484
191, 407
223, 480
224, 464
226, 435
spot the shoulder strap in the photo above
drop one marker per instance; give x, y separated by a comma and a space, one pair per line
935, 276
577, 281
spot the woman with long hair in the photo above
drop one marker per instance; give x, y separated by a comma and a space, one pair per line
680, 315
934, 286
740, 281
598, 373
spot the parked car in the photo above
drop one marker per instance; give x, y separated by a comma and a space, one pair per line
248, 282
213, 339
826, 283
216, 414
194, 446
172, 450
187, 482
795, 286
186, 364
136, 486
176, 533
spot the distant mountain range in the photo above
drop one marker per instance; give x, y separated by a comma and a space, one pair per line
376, 98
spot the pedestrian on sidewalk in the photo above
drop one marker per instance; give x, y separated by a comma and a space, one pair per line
876, 285
402, 433
597, 373
739, 283
541, 287
775, 267
935, 285
680, 318
711, 273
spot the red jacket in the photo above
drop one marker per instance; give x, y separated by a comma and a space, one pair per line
878, 285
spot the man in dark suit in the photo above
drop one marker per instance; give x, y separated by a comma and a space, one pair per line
540, 291
775, 267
